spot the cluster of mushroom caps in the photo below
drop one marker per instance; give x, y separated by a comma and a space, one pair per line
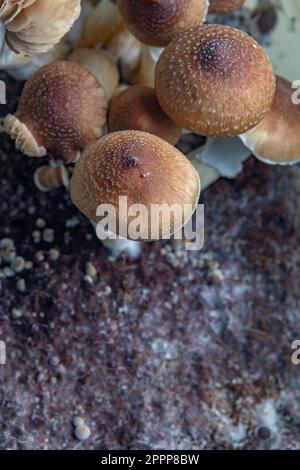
211, 80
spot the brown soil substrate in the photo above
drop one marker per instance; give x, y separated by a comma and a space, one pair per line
173, 351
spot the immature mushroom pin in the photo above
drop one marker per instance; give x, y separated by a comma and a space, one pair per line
61, 110
143, 168
276, 139
157, 22
34, 26
215, 80
137, 108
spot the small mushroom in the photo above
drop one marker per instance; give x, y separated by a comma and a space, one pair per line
224, 6
34, 26
137, 108
276, 139
157, 23
143, 168
100, 65
101, 24
48, 177
215, 81
61, 110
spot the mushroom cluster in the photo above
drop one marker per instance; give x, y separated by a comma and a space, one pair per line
34, 26
144, 73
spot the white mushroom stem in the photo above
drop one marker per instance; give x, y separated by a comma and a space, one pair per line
122, 44
219, 158
139, 69
208, 174
119, 245
225, 155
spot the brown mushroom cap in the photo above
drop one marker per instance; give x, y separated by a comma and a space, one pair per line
157, 22
224, 6
215, 80
140, 166
137, 108
100, 65
276, 139
61, 110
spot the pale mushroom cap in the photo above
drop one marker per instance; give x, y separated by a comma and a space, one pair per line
102, 24
64, 107
100, 65
224, 6
48, 177
137, 108
34, 26
215, 80
157, 23
122, 45
276, 139
140, 166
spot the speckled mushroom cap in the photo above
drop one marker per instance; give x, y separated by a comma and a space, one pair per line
224, 6
215, 80
34, 26
142, 167
61, 110
137, 108
276, 139
157, 22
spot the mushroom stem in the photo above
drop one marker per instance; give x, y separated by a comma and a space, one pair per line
101, 24
122, 45
117, 246
139, 70
208, 174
